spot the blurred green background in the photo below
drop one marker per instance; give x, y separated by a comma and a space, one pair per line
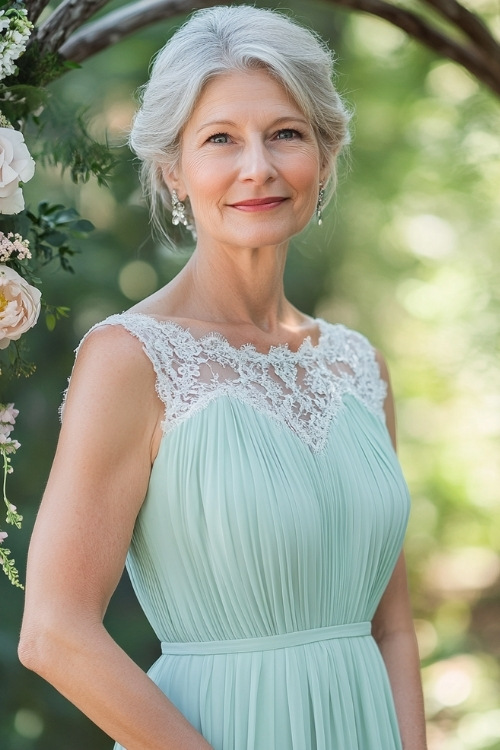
409, 256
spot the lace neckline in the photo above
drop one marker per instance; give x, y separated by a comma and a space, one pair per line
301, 390
247, 347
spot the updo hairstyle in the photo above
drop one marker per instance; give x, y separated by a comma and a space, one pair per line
221, 40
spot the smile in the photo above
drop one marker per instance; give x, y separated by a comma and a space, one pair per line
259, 204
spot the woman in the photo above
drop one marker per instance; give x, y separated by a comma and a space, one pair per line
235, 447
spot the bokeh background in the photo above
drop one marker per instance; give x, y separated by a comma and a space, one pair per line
409, 255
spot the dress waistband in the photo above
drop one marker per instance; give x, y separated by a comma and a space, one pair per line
268, 642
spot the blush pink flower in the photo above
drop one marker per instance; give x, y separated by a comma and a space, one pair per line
19, 306
3, 536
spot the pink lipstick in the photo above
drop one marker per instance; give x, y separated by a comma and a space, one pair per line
259, 204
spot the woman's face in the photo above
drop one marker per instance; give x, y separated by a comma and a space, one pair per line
249, 163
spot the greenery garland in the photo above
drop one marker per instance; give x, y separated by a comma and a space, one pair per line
31, 239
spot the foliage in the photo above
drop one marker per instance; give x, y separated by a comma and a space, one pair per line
67, 144
53, 227
30, 240
408, 256
8, 446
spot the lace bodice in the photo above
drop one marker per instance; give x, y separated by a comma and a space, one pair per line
301, 390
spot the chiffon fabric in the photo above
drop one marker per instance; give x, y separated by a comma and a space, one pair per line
274, 517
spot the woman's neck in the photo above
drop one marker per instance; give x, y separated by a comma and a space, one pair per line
239, 286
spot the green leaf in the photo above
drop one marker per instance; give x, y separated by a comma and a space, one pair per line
56, 238
84, 226
9, 567
45, 209
66, 215
66, 265
71, 65
50, 321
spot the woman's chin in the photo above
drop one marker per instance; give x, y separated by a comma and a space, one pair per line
252, 237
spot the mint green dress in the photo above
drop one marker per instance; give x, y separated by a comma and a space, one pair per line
275, 515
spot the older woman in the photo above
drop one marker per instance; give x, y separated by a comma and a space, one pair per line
236, 448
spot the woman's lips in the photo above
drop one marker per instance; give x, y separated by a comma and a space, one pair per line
259, 204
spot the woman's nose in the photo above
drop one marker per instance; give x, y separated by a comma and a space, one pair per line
256, 162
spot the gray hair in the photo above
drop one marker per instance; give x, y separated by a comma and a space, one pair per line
220, 40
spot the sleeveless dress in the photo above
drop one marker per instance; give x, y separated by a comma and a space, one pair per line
274, 517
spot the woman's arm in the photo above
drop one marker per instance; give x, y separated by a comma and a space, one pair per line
393, 630
98, 481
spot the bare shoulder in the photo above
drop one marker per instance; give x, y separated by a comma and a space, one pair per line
111, 340
112, 353
111, 372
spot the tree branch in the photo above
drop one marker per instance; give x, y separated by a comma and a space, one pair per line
35, 8
480, 55
471, 25
483, 67
122, 22
66, 18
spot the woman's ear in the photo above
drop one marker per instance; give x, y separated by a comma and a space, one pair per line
324, 173
173, 181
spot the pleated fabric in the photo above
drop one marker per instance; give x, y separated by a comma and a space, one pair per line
247, 533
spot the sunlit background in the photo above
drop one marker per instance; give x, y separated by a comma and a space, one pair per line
409, 255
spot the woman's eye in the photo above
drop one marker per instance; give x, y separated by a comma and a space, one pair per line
287, 134
219, 138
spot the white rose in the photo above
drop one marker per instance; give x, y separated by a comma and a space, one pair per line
19, 306
15, 164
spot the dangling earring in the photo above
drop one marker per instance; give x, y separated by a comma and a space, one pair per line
319, 205
178, 211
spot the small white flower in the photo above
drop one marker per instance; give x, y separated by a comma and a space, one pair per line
8, 445
15, 29
13, 245
8, 414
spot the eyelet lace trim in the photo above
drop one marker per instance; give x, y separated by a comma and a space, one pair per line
301, 390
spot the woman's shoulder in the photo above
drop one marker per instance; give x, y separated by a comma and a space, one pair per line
357, 348
108, 361
112, 328
347, 342
112, 344
357, 359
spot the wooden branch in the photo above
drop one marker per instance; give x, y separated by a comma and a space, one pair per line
122, 22
484, 68
67, 17
35, 8
480, 55
469, 23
